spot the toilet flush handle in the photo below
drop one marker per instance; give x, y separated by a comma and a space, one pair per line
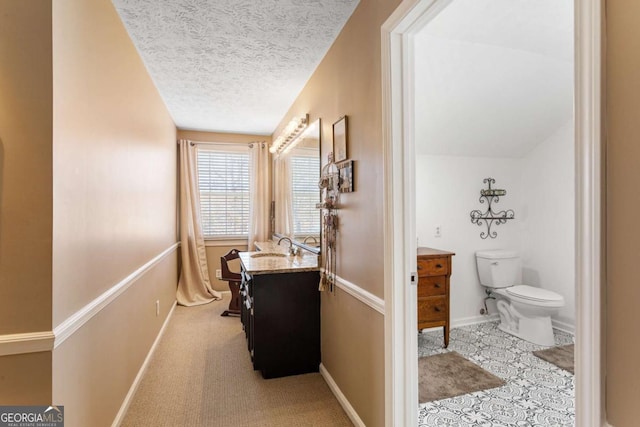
494, 263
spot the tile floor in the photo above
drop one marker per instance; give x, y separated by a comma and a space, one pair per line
537, 393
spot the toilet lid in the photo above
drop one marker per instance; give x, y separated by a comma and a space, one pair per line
534, 294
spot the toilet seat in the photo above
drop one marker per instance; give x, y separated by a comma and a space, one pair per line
533, 293
534, 296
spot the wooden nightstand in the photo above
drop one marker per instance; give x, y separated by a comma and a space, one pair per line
434, 270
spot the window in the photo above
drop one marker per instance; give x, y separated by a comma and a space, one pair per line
223, 181
305, 174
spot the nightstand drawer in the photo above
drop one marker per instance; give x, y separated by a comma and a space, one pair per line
433, 267
432, 309
431, 286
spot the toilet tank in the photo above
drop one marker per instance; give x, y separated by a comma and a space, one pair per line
498, 268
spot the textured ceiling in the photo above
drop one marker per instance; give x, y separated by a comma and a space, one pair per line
232, 65
494, 78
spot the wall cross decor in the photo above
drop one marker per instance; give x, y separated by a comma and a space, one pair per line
490, 196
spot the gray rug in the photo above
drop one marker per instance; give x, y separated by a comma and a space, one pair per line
561, 356
448, 375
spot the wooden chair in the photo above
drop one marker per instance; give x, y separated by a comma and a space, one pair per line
234, 280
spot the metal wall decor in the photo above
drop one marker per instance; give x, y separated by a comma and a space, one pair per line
330, 186
491, 195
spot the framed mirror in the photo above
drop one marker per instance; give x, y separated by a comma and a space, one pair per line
296, 172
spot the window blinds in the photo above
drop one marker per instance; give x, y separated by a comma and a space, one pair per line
305, 174
223, 182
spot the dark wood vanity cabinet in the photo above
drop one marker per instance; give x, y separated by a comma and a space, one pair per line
434, 270
281, 320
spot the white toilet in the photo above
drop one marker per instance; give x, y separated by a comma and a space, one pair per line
525, 311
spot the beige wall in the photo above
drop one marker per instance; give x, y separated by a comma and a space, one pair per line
25, 379
114, 157
623, 203
25, 193
25, 166
94, 368
114, 208
353, 353
348, 81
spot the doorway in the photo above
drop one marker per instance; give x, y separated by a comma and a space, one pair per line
398, 36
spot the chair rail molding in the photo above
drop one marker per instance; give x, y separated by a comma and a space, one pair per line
31, 342
361, 294
34, 342
74, 322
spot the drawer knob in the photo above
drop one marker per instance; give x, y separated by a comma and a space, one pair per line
438, 265
419, 267
436, 285
436, 308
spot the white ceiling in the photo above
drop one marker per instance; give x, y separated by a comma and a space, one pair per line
232, 65
494, 78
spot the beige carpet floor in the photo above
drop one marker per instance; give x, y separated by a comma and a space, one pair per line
449, 374
201, 375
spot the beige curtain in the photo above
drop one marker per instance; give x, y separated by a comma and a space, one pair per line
259, 193
194, 287
283, 196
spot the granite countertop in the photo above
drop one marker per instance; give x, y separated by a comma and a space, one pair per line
261, 264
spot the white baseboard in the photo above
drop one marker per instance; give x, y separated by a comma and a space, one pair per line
136, 382
563, 326
474, 320
342, 399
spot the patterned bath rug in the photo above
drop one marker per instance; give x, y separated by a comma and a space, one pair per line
561, 356
448, 375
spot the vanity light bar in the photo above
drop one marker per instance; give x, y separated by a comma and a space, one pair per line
289, 134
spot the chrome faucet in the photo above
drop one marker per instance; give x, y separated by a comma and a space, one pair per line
315, 241
292, 249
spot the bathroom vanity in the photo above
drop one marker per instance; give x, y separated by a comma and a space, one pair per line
434, 271
281, 311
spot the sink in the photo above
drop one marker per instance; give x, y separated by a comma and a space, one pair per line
264, 254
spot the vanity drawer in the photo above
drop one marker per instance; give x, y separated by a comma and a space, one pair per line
433, 285
433, 266
432, 309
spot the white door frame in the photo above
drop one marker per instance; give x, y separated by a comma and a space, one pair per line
401, 368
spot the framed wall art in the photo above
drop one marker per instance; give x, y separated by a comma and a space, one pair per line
340, 139
346, 176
